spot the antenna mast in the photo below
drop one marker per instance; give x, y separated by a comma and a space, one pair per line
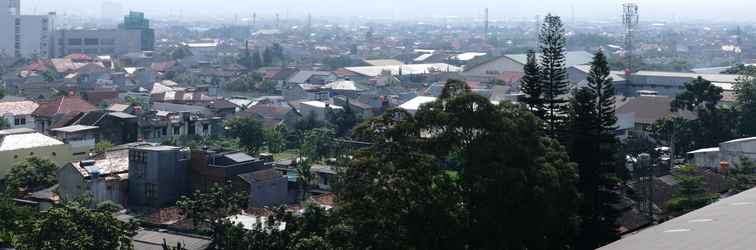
485, 27
630, 19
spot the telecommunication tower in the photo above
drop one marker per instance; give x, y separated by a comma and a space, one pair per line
309, 24
630, 19
485, 25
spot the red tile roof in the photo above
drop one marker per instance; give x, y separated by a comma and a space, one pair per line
95, 97
63, 105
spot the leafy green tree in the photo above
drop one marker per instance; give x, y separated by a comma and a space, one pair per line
267, 57
714, 124
318, 144
554, 79
212, 208
275, 138
745, 90
691, 194
532, 86
103, 146
698, 94
344, 120
743, 177
249, 131
31, 174
677, 132
741, 69
537, 173
393, 195
180, 52
72, 226
12, 219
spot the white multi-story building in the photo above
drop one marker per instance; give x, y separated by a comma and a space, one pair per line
24, 35
97, 42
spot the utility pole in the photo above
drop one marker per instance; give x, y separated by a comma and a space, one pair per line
645, 169
278, 21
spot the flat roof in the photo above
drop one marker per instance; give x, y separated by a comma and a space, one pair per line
416, 102
319, 104
26, 141
74, 128
727, 224
147, 239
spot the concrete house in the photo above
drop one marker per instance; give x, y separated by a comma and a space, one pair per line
18, 144
50, 112
317, 109
104, 178
267, 187
18, 114
255, 176
158, 175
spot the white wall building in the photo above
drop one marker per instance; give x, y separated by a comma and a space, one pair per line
24, 35
97, 42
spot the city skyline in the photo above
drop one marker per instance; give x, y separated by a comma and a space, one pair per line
665, 10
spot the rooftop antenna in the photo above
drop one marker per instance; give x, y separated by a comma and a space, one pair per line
309, 24
485, 25
630, 19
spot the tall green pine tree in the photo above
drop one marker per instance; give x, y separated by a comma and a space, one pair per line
532, 86
593, 147
554, 75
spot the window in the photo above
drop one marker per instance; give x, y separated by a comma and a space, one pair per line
107, 41
164, 131
91, 41
176, 130
19, 121
205, 128
54, 154
74, 41
15, 157
31, 153
150, 191
138, 156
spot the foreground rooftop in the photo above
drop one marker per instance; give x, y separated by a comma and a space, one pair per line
727, 224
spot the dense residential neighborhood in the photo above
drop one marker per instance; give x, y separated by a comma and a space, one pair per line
135, 130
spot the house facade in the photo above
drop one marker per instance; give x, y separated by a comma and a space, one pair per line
103, 178
158, 175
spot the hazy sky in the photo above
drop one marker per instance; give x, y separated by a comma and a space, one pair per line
730, 10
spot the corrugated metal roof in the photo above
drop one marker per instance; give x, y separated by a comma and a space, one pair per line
572, 58
407, 69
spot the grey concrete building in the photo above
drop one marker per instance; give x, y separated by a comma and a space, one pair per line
97, 42
158, 175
